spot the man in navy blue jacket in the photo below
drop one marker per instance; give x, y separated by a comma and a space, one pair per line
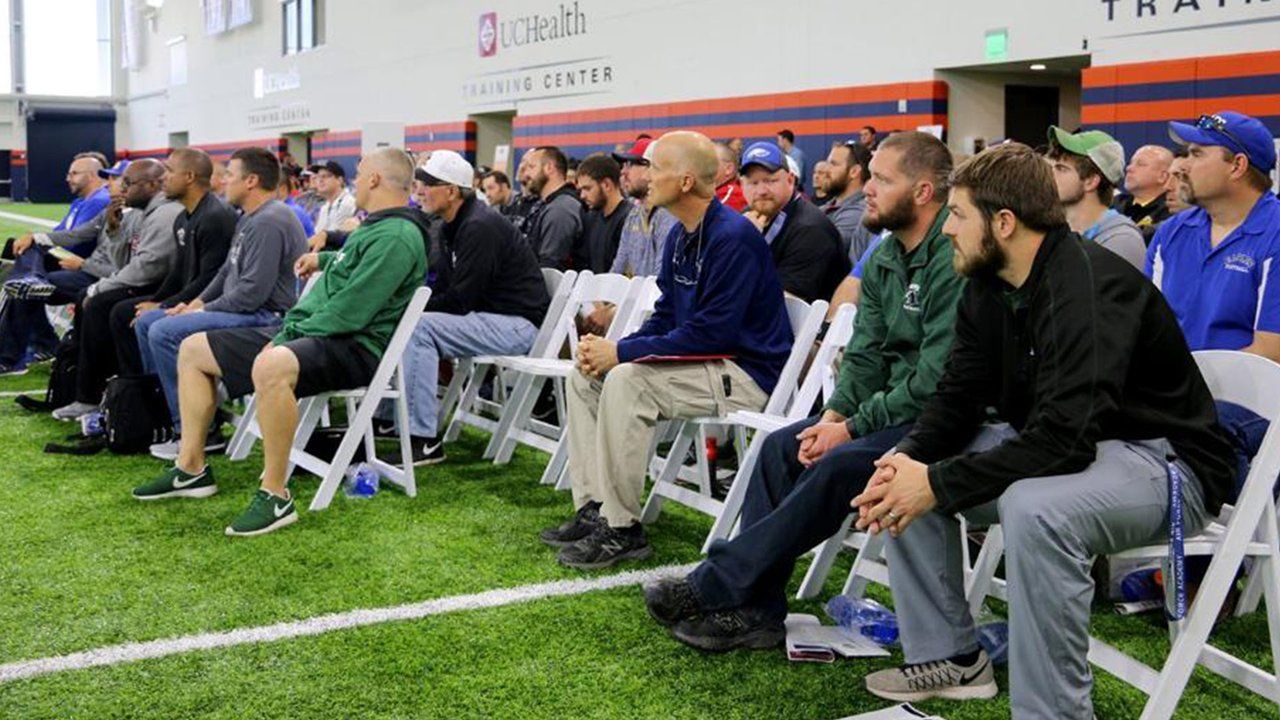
721, 299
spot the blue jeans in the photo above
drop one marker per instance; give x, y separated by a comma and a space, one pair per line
441, 335
24, 324
1245, 429
160, 335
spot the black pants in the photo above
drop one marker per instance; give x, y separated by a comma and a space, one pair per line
788, 509
98, 343
128, 355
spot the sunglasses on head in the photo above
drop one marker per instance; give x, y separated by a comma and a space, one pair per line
1218, 124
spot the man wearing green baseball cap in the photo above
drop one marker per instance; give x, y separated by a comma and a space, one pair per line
1087, 167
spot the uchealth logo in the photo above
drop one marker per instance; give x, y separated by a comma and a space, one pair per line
488, 34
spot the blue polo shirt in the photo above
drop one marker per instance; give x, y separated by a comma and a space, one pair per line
81, 211
1220, 295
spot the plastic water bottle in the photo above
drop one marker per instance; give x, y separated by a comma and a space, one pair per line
994, 638
865, 616
361, 482
93, 424
1143, 584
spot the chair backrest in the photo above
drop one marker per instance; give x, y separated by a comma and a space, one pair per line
822, 368
400, 338
806, 322
560, 288
1252, 382
590, 289
646, 300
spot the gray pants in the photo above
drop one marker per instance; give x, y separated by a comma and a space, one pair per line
1053, 526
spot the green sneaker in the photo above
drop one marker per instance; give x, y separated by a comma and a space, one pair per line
176, 483
266, 513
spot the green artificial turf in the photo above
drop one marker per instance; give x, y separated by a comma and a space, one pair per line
86, 566
46, 211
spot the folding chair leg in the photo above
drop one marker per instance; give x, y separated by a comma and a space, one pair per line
508, 445
346, 450
408, 474
978, 584
514, 414
737, 494
241, 443
559, 459
470, 392
452, 393
820, 569
670, 471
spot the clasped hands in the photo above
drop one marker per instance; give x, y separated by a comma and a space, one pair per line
897, 493
596, 355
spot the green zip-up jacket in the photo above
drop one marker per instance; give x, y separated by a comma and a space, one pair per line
902, 333
366, 285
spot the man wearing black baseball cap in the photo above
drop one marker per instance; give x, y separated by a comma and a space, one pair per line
339, 204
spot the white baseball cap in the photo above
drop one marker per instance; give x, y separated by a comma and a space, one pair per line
446, 167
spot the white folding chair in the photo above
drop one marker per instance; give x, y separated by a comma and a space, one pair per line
462, 397
1247, 529
806, 322
515, 426
362, 403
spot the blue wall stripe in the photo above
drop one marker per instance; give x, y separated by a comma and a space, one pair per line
1133, 135
1183, 90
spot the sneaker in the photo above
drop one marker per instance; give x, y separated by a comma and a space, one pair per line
67, 413
169, 450
606, 546
428, 451
671, 600
12, 370
741, 628
385, 429
266, 513
40, 356
78, 445
940, 678
176, 483
29, 288
580, 526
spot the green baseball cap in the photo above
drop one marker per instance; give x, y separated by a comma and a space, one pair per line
1105, 151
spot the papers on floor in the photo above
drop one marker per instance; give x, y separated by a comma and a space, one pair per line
897, 712
808, 640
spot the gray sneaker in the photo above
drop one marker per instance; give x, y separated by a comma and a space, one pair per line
937, 679
67, 413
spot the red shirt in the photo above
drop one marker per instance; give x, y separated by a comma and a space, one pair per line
730, 194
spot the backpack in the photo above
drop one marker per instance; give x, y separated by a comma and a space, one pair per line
62, 373
135, 414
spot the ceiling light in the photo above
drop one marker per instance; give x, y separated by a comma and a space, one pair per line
1039, 66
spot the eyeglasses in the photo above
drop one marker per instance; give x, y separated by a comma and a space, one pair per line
1218, 124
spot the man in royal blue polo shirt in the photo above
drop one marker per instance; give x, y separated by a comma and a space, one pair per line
1217, 263
721, 298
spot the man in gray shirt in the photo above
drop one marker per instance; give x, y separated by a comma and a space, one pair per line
554, 228
253, 288
847, 172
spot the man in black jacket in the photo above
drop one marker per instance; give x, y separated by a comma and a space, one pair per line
806, 246
489, 297
1106, 411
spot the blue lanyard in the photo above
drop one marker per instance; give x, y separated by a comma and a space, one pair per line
1177, 557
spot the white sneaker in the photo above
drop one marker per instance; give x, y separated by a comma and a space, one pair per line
165, 450
67, 413
941, 678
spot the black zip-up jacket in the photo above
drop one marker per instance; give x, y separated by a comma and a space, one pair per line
807, 252
204, 238
487, 267
1086, 350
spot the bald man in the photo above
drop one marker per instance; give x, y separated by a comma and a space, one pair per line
1145, 179
333, 339
721, 298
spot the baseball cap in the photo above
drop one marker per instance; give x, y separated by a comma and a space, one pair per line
334, 169
1232, 130
1105, 151
637, 152
115, 170
765, 154
445, 167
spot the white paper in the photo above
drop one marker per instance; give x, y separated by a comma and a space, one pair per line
897, 712
805, 633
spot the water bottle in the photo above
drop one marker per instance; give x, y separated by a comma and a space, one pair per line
1141, 585
92, 424
865, 616
361, 482
994, 638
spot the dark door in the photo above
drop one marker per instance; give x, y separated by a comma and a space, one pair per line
54, 136
1028, 113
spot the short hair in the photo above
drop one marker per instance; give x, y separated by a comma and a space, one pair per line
1011, 176
870, 127
149, 168
600, 167
197, 161
859, 155
787, 134
1085, 168
1181, 152
922, 156
1253, 177
556, 156
261, 162
92, 155
498, 177
643, 136
394, 165
732, 154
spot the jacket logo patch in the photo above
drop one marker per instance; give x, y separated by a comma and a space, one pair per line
911, 301
1239, 262
182, 236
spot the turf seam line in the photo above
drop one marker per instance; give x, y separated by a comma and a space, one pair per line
41, 222
133, 652
15, 393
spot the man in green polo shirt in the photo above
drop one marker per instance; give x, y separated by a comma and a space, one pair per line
808, 472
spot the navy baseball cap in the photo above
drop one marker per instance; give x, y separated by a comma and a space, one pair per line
765, 154
1232, 130
115, 170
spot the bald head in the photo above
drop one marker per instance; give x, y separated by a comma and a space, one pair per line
1147, 172
194, 161
394, 165
142, 182
144, 170
688, 154
82, 176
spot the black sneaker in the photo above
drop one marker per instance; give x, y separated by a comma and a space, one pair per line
12, 370
428, 451
671, 600
78, 446
580, 526
742, 628
385, 429
606, 546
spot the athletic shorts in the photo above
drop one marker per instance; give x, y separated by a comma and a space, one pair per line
325, 364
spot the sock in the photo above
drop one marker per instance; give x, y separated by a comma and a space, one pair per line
966, 659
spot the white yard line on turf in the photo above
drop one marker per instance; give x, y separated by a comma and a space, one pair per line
132, 652
16, 393
41, 222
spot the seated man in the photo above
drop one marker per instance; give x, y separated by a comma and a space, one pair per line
599, 186
253, 288
644, 234
809, 471
1145, 177
805, 245
331, 340
1083, 358
1212, 262
1086, 167
489, 296
720, 297
554, 226
337, 208
848, 171
147, 252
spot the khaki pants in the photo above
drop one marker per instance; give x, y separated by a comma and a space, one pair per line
611, 424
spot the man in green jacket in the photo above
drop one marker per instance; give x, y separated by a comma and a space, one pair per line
332, 339
808, 472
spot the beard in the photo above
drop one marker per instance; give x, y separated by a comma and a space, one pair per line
893, 218
1073, 198
989, 260
836, 185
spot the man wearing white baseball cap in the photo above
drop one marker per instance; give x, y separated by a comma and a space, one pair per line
489, 297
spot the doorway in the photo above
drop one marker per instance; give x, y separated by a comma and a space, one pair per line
494, 140
298, 145
1028, 111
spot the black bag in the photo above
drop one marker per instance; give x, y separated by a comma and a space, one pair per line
62, 373
135, 414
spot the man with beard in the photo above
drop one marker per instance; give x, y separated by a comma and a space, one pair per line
554, 228
848, 169
1176, 195
1086, 167
1080, 355
599, 178
804, 243
728, 189
647, 228
808, 472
